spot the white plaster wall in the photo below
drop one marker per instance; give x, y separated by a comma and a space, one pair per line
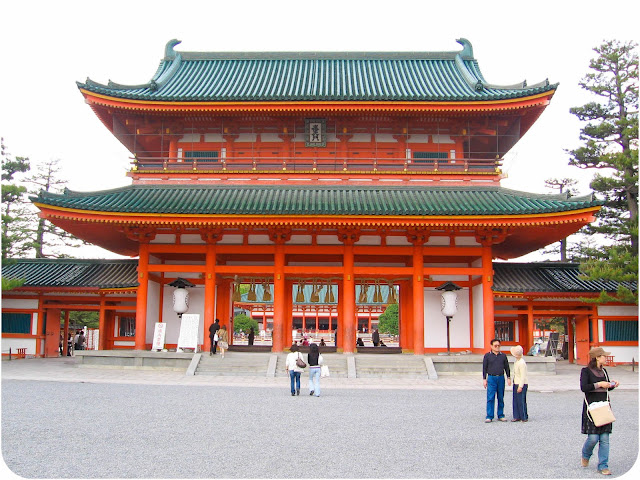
397, 241
623, 354
153, 310
34, 324
369, 240
439, 241
478, 317
196, 306
617, 310
360, 137
20, 303
231, 240
466, 241
435, 327
191, 239
15, 343
300, 240
260, 240
328, 240
168, 238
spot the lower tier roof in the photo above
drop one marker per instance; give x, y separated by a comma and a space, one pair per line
114, 274
523, 221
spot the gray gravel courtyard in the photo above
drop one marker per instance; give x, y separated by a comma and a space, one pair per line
86, 430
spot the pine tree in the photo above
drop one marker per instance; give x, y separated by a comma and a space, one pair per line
16, 231
611, 146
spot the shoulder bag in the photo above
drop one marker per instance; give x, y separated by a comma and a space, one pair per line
600, 412
300, 362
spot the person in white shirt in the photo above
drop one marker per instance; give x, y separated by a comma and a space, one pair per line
520, 385
294, 370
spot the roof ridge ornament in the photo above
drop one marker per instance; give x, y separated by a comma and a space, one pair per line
467, 48
169, 52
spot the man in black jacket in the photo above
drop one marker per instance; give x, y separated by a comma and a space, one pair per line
494, 365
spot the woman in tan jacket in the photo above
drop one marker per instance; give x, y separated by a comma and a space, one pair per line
223, 339
520, 384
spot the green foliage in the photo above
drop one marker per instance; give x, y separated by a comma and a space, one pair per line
610, 144
388, 321
11, 283
79, 319
242, 323
15, 214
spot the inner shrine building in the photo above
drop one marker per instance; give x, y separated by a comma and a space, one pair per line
335, 174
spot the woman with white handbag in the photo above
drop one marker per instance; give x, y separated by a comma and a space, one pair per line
595, 383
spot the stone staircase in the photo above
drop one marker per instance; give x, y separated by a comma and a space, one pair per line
405, 366
340, 366
254, 364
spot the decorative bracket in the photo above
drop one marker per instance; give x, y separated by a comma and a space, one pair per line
211, 235
418, 236
140, 234
348, 236
280, 235
491, 236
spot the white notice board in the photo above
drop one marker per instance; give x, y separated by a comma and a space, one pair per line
189, 331
158, 336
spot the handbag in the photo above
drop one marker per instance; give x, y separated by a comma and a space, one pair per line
324, 371
215, 337
600, 412
300, 363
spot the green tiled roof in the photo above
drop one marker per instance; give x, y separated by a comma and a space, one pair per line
70, 272
315, 200
509, 277
317, 76
548, 277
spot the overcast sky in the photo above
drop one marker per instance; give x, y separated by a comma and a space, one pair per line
48, 46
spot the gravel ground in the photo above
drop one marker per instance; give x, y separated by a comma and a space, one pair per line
85, 430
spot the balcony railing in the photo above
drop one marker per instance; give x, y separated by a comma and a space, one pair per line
315, 164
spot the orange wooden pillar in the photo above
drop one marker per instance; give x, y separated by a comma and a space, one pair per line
418, 299
288, 314
529, 339
279, 299
582, 339
102, 325
348, 301
569, 334
405, 323
52, 333
141, 300
65, 344
209, 293
487, 296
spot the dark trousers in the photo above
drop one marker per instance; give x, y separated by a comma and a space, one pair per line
214, 345
520, 403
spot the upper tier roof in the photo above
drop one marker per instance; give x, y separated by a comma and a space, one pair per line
318, 76
316, 200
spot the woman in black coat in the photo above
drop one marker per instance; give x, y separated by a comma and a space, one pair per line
595, 383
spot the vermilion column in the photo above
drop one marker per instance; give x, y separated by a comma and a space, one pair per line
279, 299
487, 296
141, 300
209, 293
102, 325
65, 344
418, 299
348, 301
529, 339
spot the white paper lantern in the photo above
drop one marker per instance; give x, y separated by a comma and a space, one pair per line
180, 300
449, 303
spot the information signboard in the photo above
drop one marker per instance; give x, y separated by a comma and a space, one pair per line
189, 331
158, 336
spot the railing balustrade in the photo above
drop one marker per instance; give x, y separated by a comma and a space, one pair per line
314, 164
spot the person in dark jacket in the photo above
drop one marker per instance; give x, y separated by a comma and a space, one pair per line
252, 336
314, 360
595, 383
375, 338
213, 330
494, 365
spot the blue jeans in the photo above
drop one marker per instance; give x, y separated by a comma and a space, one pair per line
520, 403
495, 387
314, 380
603, 449
295, 380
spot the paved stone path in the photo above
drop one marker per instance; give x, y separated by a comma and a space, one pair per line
61, 421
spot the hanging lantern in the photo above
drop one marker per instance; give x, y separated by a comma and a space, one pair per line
391, 297
237, 296
181, 295
266, 292
251, 296
329, 297
300, 294
315, 293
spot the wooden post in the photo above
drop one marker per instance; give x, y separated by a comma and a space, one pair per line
487, 297
209, 294
279, 296
141, 301
418, 299
348, 301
